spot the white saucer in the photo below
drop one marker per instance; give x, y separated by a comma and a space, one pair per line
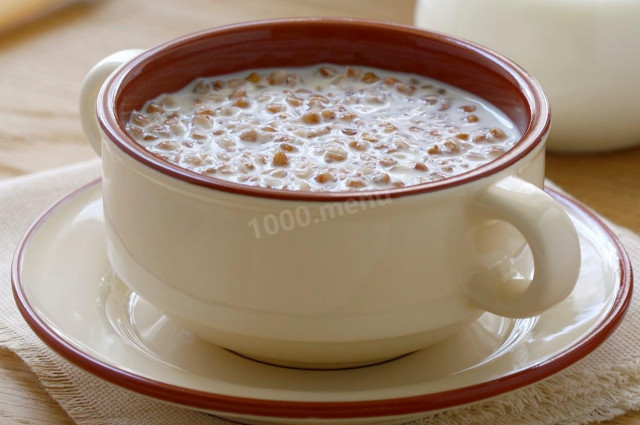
64, 289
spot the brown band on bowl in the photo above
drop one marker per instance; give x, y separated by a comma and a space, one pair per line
307, 41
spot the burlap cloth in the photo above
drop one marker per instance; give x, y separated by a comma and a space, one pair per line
603, 385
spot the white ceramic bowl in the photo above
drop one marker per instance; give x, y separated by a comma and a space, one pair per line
358, 277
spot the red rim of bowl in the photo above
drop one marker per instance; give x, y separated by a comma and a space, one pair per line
326, 410
534, 134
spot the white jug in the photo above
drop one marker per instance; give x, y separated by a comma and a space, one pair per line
584, 53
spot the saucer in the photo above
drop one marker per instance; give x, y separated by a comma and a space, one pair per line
64, 289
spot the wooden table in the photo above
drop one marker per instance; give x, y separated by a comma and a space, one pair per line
43, 64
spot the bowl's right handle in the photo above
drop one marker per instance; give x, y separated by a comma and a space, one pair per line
553, 241
90, 90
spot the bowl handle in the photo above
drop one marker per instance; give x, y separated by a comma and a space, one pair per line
554, 245
90, 90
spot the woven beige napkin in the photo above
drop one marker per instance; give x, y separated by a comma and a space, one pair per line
603, 385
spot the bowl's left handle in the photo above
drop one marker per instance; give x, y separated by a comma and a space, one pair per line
89, 93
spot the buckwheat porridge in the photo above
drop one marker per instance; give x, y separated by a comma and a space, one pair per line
323, 128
